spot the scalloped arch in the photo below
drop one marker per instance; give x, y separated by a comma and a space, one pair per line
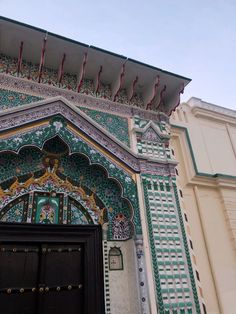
77, 144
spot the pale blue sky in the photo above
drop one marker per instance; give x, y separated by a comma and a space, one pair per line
194, 38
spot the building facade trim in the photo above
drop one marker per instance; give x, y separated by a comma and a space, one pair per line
201, 177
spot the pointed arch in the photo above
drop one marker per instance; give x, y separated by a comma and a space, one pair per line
100, 196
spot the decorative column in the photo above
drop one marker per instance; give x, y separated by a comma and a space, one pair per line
106, 277
174, 282
143, 288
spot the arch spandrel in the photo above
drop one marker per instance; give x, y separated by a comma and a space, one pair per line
40, 132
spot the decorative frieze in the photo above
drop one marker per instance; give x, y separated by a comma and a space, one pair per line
23, 85
68, 81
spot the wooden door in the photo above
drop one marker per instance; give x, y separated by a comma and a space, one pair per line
61, 279
19, 266
47, 269
43, 279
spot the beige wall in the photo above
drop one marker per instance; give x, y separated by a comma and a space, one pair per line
213, 136
209, 201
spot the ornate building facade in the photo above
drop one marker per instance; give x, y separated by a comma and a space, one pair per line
85, 146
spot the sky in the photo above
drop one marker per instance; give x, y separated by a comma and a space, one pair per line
193, 38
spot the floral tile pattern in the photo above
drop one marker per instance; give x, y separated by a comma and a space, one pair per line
14, 214
10, 99
117, 126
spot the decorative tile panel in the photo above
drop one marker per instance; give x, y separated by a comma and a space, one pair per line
175, 285
45, 90
57, 126
16, 211
10, 99
172, 275
14, 214
12, 165
141, 123
78, 215
106, 189
152, 139
116, 125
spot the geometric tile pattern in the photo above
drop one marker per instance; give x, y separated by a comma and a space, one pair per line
175, 283
153, 149
172, 274
77, 216
77, 167
141, 123
15, 211
106, 278
28, 160
151, 144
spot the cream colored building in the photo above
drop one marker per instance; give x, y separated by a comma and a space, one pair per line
204, 144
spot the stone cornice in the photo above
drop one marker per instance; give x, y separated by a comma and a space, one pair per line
31, 113
216, 116
46, 91
210, 111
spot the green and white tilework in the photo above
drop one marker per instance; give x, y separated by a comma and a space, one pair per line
168, 249
172, 270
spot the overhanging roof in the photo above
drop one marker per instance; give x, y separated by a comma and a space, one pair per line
12, 33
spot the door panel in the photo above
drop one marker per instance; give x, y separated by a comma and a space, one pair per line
62, 279
18, 278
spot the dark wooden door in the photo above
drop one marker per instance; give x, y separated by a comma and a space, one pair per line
42, 278
18, 276
61, 279
51, 269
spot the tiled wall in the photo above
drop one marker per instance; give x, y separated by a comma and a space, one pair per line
175, 285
